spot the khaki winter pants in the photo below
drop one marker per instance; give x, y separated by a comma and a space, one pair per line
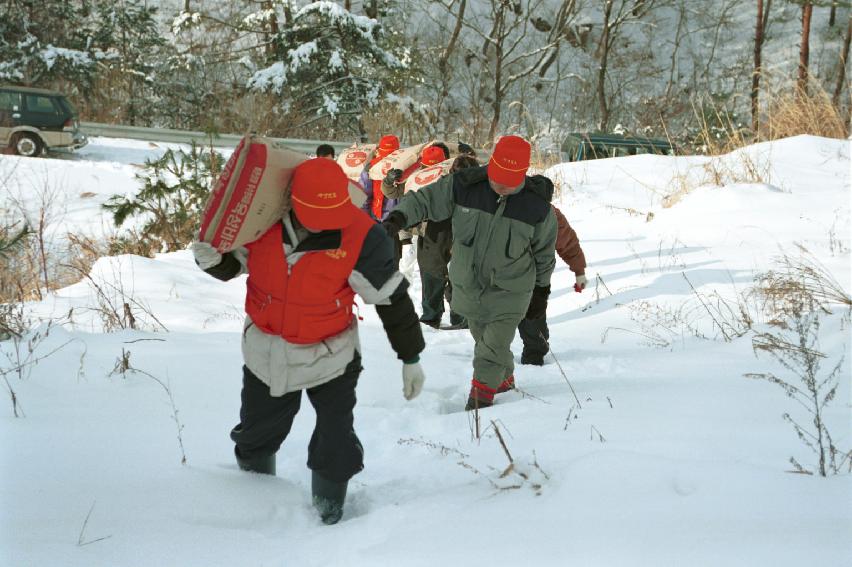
492, 355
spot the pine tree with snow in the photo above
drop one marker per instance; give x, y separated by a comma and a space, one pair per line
328, 66
41, 42
126, 32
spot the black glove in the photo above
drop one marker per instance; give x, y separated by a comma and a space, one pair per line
464, 149
538, 303
393, 176
394, 223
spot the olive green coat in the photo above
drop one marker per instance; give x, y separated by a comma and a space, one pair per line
502, 246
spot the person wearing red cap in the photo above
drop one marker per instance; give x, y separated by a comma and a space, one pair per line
377, 206
504, 236
434, 242
534, 332
300, 332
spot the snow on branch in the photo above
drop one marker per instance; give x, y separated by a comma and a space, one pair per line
51, 54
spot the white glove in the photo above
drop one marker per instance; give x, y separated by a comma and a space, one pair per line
581, 283
205, 255
412, 380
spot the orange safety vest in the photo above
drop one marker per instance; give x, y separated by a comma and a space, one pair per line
311, 300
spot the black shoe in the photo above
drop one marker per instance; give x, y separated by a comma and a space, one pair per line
474, 403
534, 359
328, 497
434, 323
458, 322
263, 464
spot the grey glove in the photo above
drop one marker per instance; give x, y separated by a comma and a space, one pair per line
412, 380
205, 255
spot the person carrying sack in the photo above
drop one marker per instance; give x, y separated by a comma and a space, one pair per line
434, 240
504, 234
377, 206
301, 334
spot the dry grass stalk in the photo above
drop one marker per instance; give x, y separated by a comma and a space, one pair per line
123, 367
810, 112
798, 281
799, 355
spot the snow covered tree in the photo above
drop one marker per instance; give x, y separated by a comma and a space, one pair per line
127, 34
43, 41
327, 66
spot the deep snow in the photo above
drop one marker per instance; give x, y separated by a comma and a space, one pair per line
674, 458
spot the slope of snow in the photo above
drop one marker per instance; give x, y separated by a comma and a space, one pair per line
77, 184
666, 456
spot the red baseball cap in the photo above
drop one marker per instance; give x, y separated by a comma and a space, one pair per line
387, 144
509, 162
432, 155
319, 191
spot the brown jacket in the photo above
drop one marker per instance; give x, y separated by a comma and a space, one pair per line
568, 245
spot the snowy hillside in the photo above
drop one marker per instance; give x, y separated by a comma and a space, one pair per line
640, 442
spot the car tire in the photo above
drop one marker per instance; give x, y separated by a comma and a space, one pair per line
27, 145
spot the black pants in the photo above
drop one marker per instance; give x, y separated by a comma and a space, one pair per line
265, 421
535, 334
397, 249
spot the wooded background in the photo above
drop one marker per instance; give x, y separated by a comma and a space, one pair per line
690, 70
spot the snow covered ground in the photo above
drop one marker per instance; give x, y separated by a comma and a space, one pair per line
667, 455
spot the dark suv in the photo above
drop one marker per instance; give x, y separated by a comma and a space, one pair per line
33, 120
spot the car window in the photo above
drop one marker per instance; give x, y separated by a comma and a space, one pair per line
8, 101
37, 103
66, 106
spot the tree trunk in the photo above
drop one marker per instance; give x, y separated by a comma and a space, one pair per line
833, 16
604, 56
766, 16
372, 9
273, 29
844, 59
566, 11
804, 49
445, 55
755, 77
443, 62
500, 35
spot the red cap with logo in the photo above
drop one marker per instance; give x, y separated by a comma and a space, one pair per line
320, 193
387, 144
432, 155
509, 162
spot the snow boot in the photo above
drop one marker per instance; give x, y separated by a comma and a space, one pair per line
534, 359
262, 464
457, 321
328, 497
506, 385
434, 323
481, 396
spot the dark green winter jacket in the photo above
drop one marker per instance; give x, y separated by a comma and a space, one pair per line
502, 246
